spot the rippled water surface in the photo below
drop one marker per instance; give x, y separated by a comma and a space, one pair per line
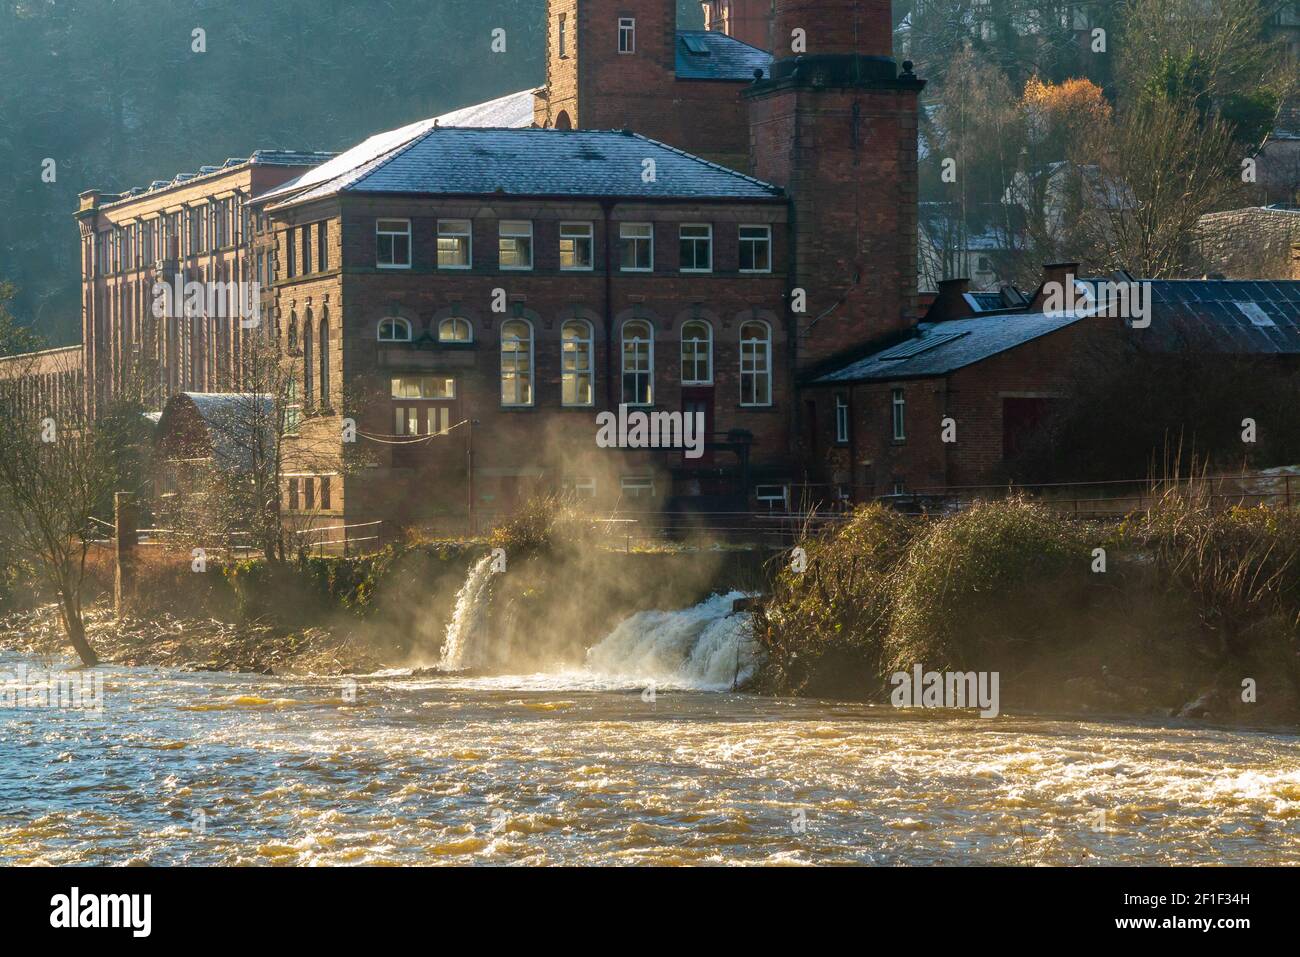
202, 768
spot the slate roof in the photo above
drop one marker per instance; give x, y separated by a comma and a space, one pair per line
537, 162
512, 110
1228, 317
944, 347
1231, 317
234, 421
705, 55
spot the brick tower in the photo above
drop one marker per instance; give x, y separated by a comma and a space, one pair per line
749, 21
609, 63
835, 124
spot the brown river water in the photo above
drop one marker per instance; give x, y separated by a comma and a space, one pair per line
572, 768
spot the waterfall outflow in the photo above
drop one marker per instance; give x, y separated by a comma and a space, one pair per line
706, 648
460, 647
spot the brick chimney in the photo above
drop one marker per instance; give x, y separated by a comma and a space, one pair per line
834, 123
1054, 274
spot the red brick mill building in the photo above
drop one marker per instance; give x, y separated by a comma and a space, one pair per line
677, 221
718, 221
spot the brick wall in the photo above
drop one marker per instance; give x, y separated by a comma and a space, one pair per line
518, 449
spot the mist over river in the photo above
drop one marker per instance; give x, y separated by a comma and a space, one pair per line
572, 768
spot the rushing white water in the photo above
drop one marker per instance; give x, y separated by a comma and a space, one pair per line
707, 647
460, 649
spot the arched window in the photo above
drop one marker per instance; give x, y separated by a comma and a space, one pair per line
394, 329
293, 331
325, 360
455, 329
516, 363
638, 363
576, 363
308, 340
697, 353
755, 364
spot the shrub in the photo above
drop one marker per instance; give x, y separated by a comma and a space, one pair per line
823, 628
984, 589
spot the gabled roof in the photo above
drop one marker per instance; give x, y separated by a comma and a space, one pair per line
538, 162
233, 422
706, 55
941, 348
510, 111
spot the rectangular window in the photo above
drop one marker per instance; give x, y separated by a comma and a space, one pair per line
899, 412
293, 494
636, 247
755, 248
773, 497
697, 248
308, 494
325, 491
579, 487
626, 34
455, 244
564, 35
322, 247
575, 246
637, 486
423, 387
291, 253
841, 419
306, 250
407, 420
516, 244
393, 243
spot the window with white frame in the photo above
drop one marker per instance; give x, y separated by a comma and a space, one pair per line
423, 387
638, 363
563, 29
455, 329
392, 243
636, 247
755, 248
697, 247
578, 487
516, 363
755, 364
516, 244
697, 353
773, 497
455, 244
841, 419
575, 246
626, 34
394, 329
637, 486
899, 417
576, 363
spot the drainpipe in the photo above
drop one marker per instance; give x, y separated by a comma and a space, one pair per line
606, 208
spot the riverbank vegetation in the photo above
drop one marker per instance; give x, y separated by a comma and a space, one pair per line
1180, 609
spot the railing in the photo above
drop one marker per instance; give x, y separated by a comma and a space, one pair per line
347, 540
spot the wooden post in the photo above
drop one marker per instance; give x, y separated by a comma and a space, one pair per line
126, 538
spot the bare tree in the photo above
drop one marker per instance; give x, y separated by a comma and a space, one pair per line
57, 470
231, 484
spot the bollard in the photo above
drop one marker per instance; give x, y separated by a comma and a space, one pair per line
126, 537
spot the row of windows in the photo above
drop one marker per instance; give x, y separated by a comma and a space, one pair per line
217, 224
302, 256
626, 35
306, 492
636, 246
637, 364
897, 417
